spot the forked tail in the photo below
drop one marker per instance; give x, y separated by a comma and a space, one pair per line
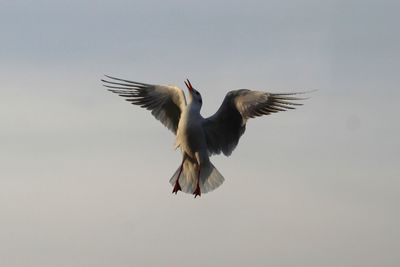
210, 178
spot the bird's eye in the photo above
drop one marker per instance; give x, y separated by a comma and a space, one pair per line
197, 93
201, 101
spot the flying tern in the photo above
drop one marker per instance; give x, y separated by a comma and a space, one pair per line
197, 137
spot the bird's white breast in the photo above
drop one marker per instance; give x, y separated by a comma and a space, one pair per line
190, 135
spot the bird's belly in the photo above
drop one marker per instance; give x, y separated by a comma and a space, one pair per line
191, 140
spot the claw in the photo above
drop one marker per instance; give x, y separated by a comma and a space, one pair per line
197, 192
177, 188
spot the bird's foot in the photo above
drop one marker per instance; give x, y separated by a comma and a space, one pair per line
197, 192
177, 188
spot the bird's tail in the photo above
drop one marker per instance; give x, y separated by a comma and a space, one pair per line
210, 178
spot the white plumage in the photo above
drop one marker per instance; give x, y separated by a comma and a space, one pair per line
198, 138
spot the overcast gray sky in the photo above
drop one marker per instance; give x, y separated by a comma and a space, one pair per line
84, 175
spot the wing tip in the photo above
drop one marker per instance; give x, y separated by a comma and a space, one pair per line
296, 93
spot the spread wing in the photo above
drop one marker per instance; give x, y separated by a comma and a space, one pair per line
164, 101
224, 129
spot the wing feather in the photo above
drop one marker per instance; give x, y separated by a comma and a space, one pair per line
165, 102
224, 129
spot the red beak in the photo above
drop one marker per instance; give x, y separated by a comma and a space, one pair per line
189, 85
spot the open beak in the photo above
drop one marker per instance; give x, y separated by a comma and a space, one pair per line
189, 86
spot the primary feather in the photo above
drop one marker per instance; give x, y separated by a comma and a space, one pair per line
166, 102
224, 129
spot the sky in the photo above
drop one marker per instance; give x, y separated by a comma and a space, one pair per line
84, 175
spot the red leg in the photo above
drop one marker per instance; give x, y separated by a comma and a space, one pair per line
177, 186
197, 192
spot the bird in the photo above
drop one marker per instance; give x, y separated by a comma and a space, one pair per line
199, 138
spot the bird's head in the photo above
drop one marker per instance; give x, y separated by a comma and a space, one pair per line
194, 95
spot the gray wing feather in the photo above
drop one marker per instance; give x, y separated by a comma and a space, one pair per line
224, 129
164, 101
